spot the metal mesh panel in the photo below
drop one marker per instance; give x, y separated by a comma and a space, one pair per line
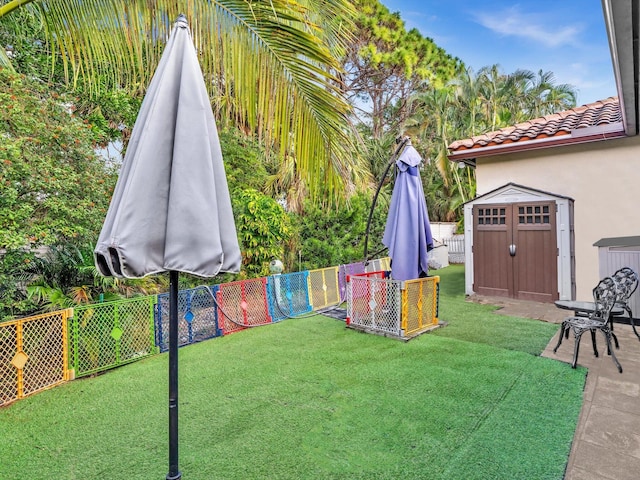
197, 319
288, 295
378, 264
109, 334
385, 263
420, 305
323, 287
374, 303
245, 301
344, 270
44, 341
33, 355
373, 265
376, 274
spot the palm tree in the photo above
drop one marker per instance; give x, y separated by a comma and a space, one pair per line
270, 66
547, 97
432, 127
532, 95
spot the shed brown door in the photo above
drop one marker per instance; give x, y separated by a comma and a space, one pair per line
515, 251
492, 269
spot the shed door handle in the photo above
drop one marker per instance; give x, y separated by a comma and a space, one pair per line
512, 250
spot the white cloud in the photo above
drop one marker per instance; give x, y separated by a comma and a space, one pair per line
512, 22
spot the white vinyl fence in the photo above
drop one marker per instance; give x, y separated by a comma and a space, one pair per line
456, 248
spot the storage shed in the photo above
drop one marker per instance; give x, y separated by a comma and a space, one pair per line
519, 243
615, 253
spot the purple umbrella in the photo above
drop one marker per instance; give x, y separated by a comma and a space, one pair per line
407, 234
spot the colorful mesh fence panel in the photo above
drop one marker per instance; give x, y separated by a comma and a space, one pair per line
324, 290
242, 304
33, 355
197, 319
343, 271
385, 263
420, 305
372, 266
374, 303
288, 295
378, 264
106, 335
386, 306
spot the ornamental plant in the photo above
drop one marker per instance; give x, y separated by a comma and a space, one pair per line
263, 228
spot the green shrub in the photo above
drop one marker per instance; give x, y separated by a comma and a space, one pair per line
334, 237
263, 228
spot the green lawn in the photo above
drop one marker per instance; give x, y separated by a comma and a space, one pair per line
475, 323
309, 399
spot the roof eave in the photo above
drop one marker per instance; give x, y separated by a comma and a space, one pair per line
621, 20
468, 156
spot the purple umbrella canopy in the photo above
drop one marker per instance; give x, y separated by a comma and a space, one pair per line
171, 209
407, 234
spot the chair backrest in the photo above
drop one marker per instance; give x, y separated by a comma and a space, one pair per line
626, 280
604, 297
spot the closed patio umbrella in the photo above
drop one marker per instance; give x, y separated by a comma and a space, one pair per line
407, 234
171, 210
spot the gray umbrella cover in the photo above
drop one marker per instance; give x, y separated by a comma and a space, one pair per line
171, 208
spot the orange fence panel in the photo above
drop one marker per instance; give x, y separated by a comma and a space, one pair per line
33, 354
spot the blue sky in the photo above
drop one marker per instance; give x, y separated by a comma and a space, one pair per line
566, 37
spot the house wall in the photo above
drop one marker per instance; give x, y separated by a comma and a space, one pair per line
602, 177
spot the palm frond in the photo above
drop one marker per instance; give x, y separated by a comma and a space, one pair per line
270, 67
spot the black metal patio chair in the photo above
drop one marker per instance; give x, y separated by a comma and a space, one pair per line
626, 280
604, 297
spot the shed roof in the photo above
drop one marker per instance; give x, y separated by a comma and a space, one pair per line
618, 242
587, 123
516, 187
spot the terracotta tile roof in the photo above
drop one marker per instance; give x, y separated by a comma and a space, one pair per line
557, 125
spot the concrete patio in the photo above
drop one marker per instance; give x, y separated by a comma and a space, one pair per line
606, 444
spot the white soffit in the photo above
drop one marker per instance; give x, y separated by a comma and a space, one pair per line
621, 20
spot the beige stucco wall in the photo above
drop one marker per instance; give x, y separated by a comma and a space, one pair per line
602, 177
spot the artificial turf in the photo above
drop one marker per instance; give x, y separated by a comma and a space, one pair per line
477, 324
309, 399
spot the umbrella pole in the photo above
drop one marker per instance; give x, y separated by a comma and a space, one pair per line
174, 473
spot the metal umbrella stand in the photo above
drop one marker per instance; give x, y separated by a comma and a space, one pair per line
171, 210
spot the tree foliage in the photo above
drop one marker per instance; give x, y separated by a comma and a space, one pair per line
54, 186
328, 238
385, 64
247, 165
263, 229
270, 67
15, 272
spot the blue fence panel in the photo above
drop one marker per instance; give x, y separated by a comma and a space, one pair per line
288, 295
197, 319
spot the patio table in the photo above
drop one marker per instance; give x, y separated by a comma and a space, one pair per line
582, 309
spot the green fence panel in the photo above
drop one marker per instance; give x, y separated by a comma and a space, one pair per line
106, 335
